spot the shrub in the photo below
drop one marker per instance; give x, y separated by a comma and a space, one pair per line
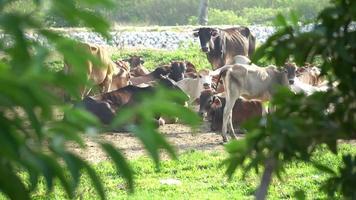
258, 15
221, 17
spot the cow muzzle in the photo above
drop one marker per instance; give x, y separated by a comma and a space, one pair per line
291, 81
205, 49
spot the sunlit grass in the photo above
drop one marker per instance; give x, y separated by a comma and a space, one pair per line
201, 176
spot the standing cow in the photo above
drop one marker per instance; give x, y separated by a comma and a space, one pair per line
250, 82
221, 45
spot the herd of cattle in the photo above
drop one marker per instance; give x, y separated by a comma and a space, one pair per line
227, 96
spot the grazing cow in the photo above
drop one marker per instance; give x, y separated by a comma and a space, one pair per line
106, 105
221, 45
137, 68
99, 74
122, 78
250, 82
194, 86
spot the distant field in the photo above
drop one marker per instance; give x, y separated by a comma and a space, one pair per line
200, 176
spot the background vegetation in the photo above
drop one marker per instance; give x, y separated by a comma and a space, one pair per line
182, 12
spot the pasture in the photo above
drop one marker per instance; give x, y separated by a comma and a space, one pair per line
198, 173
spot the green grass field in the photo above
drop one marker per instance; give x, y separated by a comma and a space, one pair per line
201, 176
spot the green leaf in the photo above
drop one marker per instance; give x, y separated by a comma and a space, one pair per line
10, 184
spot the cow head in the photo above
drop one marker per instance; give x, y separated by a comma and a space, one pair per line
205, 102
135, 61
290, 69
171, 84
207, 37
177, 70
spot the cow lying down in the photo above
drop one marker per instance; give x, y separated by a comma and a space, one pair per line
106, 106
212, 106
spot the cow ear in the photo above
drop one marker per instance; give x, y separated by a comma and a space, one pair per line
196, 34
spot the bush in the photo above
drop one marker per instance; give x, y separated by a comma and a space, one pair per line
221, 17
258, 15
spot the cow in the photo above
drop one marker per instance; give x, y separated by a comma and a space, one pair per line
136, 64
310, 75
151, 76
194, 86
105, 106
250, 82
100, 74
242, 111
122, 78
178, 69
221, 45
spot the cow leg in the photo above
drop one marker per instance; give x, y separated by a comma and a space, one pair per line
106, 84
231, 126
227, 118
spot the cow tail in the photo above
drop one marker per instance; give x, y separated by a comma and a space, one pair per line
222, 73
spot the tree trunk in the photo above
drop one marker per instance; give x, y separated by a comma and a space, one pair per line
262, 190
203, 12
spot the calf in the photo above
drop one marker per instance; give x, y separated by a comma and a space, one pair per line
241, 112
194, 86
212, 106
250, 82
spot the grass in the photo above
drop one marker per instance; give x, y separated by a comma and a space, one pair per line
202, 177
152, 57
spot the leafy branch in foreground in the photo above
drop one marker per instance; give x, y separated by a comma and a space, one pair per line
303, 123
32, 135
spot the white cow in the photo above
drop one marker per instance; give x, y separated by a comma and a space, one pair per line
194, 86
250, 82
300, 87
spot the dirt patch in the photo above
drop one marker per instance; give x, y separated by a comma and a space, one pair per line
180, 136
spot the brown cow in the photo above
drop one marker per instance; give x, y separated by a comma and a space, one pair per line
101, 74
137, 68
106, 105
242, 111
122, 78
212, 106
221, 45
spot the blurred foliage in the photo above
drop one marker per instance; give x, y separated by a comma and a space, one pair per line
302, 123
181, 12
34, 133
